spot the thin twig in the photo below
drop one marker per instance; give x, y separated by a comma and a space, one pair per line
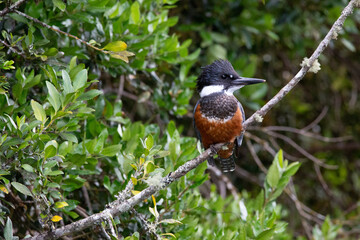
174, 202
302, 150
87, 198
126, 193
112, 229
322, 181
148, 227
57, 30
105, 234
65, 33
286, 154
255, 156
263, 143
317, 120
121, 87
242, 173
336, 27
303, 133
11, 8
81, 211
305, 224
11, 48
226, 180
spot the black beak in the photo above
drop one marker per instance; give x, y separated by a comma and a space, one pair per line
247, 81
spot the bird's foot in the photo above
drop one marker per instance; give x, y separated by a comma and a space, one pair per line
211, 161
213, 149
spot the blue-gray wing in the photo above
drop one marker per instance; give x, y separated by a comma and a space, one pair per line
240, 138
194, 124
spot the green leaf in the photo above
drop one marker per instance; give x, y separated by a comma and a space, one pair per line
292, 169
71, 184
73, 215
101, 140
61, 204
326, 226
68, 88
149, 167
117, 46
72, 63
39, 112
65, 148
27, 167
50, 149
149, 142
54, 96
171, 128
8, 230
51, 52
271, 220
170, 221
280, 158
50, 164
111, 150
123, 55
273, 174
59, 4
21, 188
69, 136
154, 212
161, 154
265, 235
242, 233
80, 79
135, 13
50, 73
32, 82
89, 95
55, 173
259, 201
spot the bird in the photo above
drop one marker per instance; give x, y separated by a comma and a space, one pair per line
218, 115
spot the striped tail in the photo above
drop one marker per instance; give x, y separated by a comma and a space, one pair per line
227, 164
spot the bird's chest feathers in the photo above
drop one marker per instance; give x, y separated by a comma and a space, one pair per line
220, 107
218, 119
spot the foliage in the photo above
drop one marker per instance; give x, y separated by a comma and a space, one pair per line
80, 120
269, 40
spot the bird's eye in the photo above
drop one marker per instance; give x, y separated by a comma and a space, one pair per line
223, 76
231, 76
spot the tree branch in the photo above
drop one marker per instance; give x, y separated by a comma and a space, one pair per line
59, 31
11, 48
336, 27
128, 204
121, 54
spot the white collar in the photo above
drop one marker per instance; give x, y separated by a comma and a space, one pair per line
206, 91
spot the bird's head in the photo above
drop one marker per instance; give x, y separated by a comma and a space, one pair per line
220, 77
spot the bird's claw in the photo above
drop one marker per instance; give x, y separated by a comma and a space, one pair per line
213, 149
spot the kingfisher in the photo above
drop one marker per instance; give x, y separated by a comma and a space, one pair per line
218, 115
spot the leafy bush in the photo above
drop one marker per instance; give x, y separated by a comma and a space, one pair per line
96, 96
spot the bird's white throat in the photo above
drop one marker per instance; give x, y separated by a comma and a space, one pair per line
206, 91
